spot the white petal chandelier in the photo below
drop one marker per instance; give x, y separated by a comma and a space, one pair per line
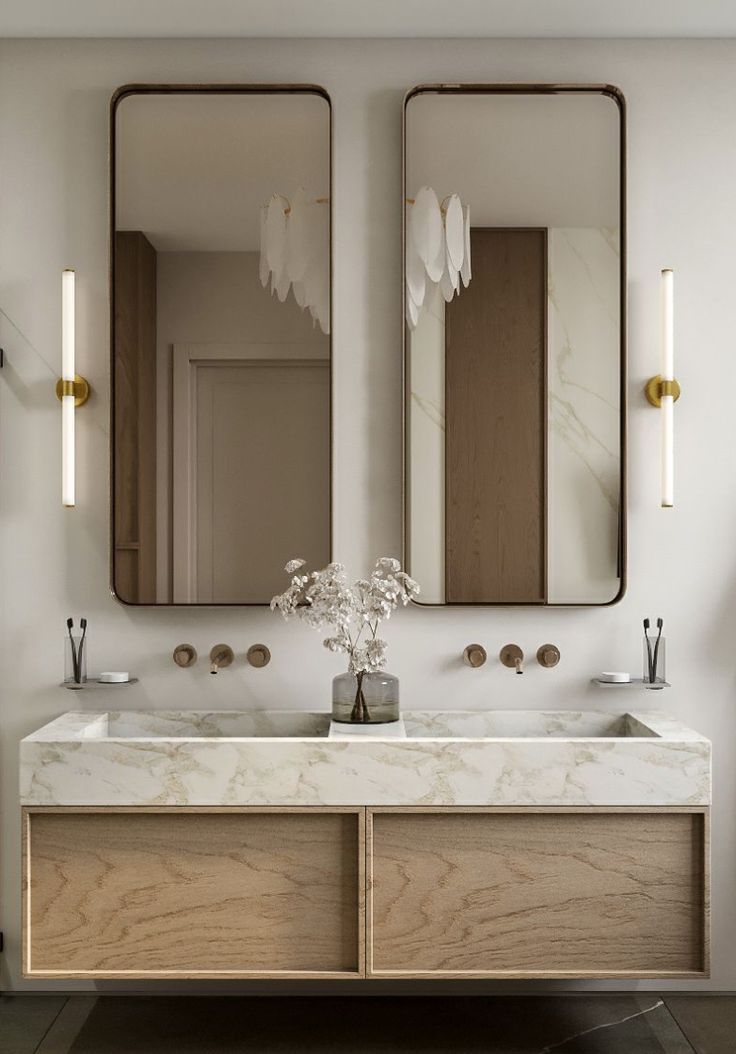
295, 252
437, 249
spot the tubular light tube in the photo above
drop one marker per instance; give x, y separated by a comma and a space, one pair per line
67, 377
668, 374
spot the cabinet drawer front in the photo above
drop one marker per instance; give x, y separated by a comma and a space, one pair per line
537, 893
233, 892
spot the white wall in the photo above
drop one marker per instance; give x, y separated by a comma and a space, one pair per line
53, 212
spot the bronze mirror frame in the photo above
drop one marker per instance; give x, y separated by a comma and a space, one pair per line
523, 89
207, 89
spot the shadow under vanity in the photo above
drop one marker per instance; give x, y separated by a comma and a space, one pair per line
494, 844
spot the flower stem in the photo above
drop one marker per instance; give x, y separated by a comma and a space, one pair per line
360, 708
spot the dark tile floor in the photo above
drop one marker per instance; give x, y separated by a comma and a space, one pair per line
565, 1024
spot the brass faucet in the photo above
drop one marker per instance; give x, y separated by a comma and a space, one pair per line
220, 657
512, 656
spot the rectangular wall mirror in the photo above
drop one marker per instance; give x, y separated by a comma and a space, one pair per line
514, 295
221, 348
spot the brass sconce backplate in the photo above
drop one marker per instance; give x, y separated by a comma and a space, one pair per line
656, 388
79, 388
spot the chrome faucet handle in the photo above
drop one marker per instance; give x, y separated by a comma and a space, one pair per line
221, 656
512, 657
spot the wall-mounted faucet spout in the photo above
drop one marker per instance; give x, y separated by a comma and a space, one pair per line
221, 656
512, 656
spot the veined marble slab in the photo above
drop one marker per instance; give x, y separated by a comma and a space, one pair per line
286, 758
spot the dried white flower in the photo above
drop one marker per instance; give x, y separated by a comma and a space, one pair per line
336, 643
294, 565
326, 598
388, 563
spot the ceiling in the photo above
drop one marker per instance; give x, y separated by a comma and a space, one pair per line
193, 170
526, 161
368, 18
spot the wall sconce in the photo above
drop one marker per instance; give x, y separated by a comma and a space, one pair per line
71, 390
663, 391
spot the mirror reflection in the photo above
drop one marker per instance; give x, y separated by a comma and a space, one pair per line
513, 345
221, 343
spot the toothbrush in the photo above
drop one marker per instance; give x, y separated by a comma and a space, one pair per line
649, 651
660, 624
75, 660
83, 624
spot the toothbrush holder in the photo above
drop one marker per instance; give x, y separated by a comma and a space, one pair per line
655, 676
75, 662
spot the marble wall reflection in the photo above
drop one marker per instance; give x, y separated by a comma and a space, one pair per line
583, 453
426, 429
583, 441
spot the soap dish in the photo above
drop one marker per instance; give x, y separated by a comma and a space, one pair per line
95, 682
635, 682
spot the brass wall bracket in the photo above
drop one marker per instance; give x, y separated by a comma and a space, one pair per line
655, 388
79, 388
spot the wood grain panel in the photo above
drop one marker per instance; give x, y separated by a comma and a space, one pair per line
533, 893
495, 403
193, 893
135, 417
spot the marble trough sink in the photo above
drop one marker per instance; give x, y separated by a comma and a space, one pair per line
274, 757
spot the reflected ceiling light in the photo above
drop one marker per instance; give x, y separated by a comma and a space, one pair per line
663, 390
72, 390
437, 250
295, 252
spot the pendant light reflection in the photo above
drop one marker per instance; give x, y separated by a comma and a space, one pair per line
663, 391
437, 250
71, 389
295, 252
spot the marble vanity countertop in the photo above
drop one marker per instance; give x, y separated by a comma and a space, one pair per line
271, 757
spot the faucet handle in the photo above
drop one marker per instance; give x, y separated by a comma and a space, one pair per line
512, 656
475, 655
185, 655
548, 655
258, 655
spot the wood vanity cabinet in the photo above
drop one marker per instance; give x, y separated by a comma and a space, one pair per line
355, 892
193, 892
537, 893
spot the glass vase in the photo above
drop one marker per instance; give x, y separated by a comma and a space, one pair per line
365, 698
